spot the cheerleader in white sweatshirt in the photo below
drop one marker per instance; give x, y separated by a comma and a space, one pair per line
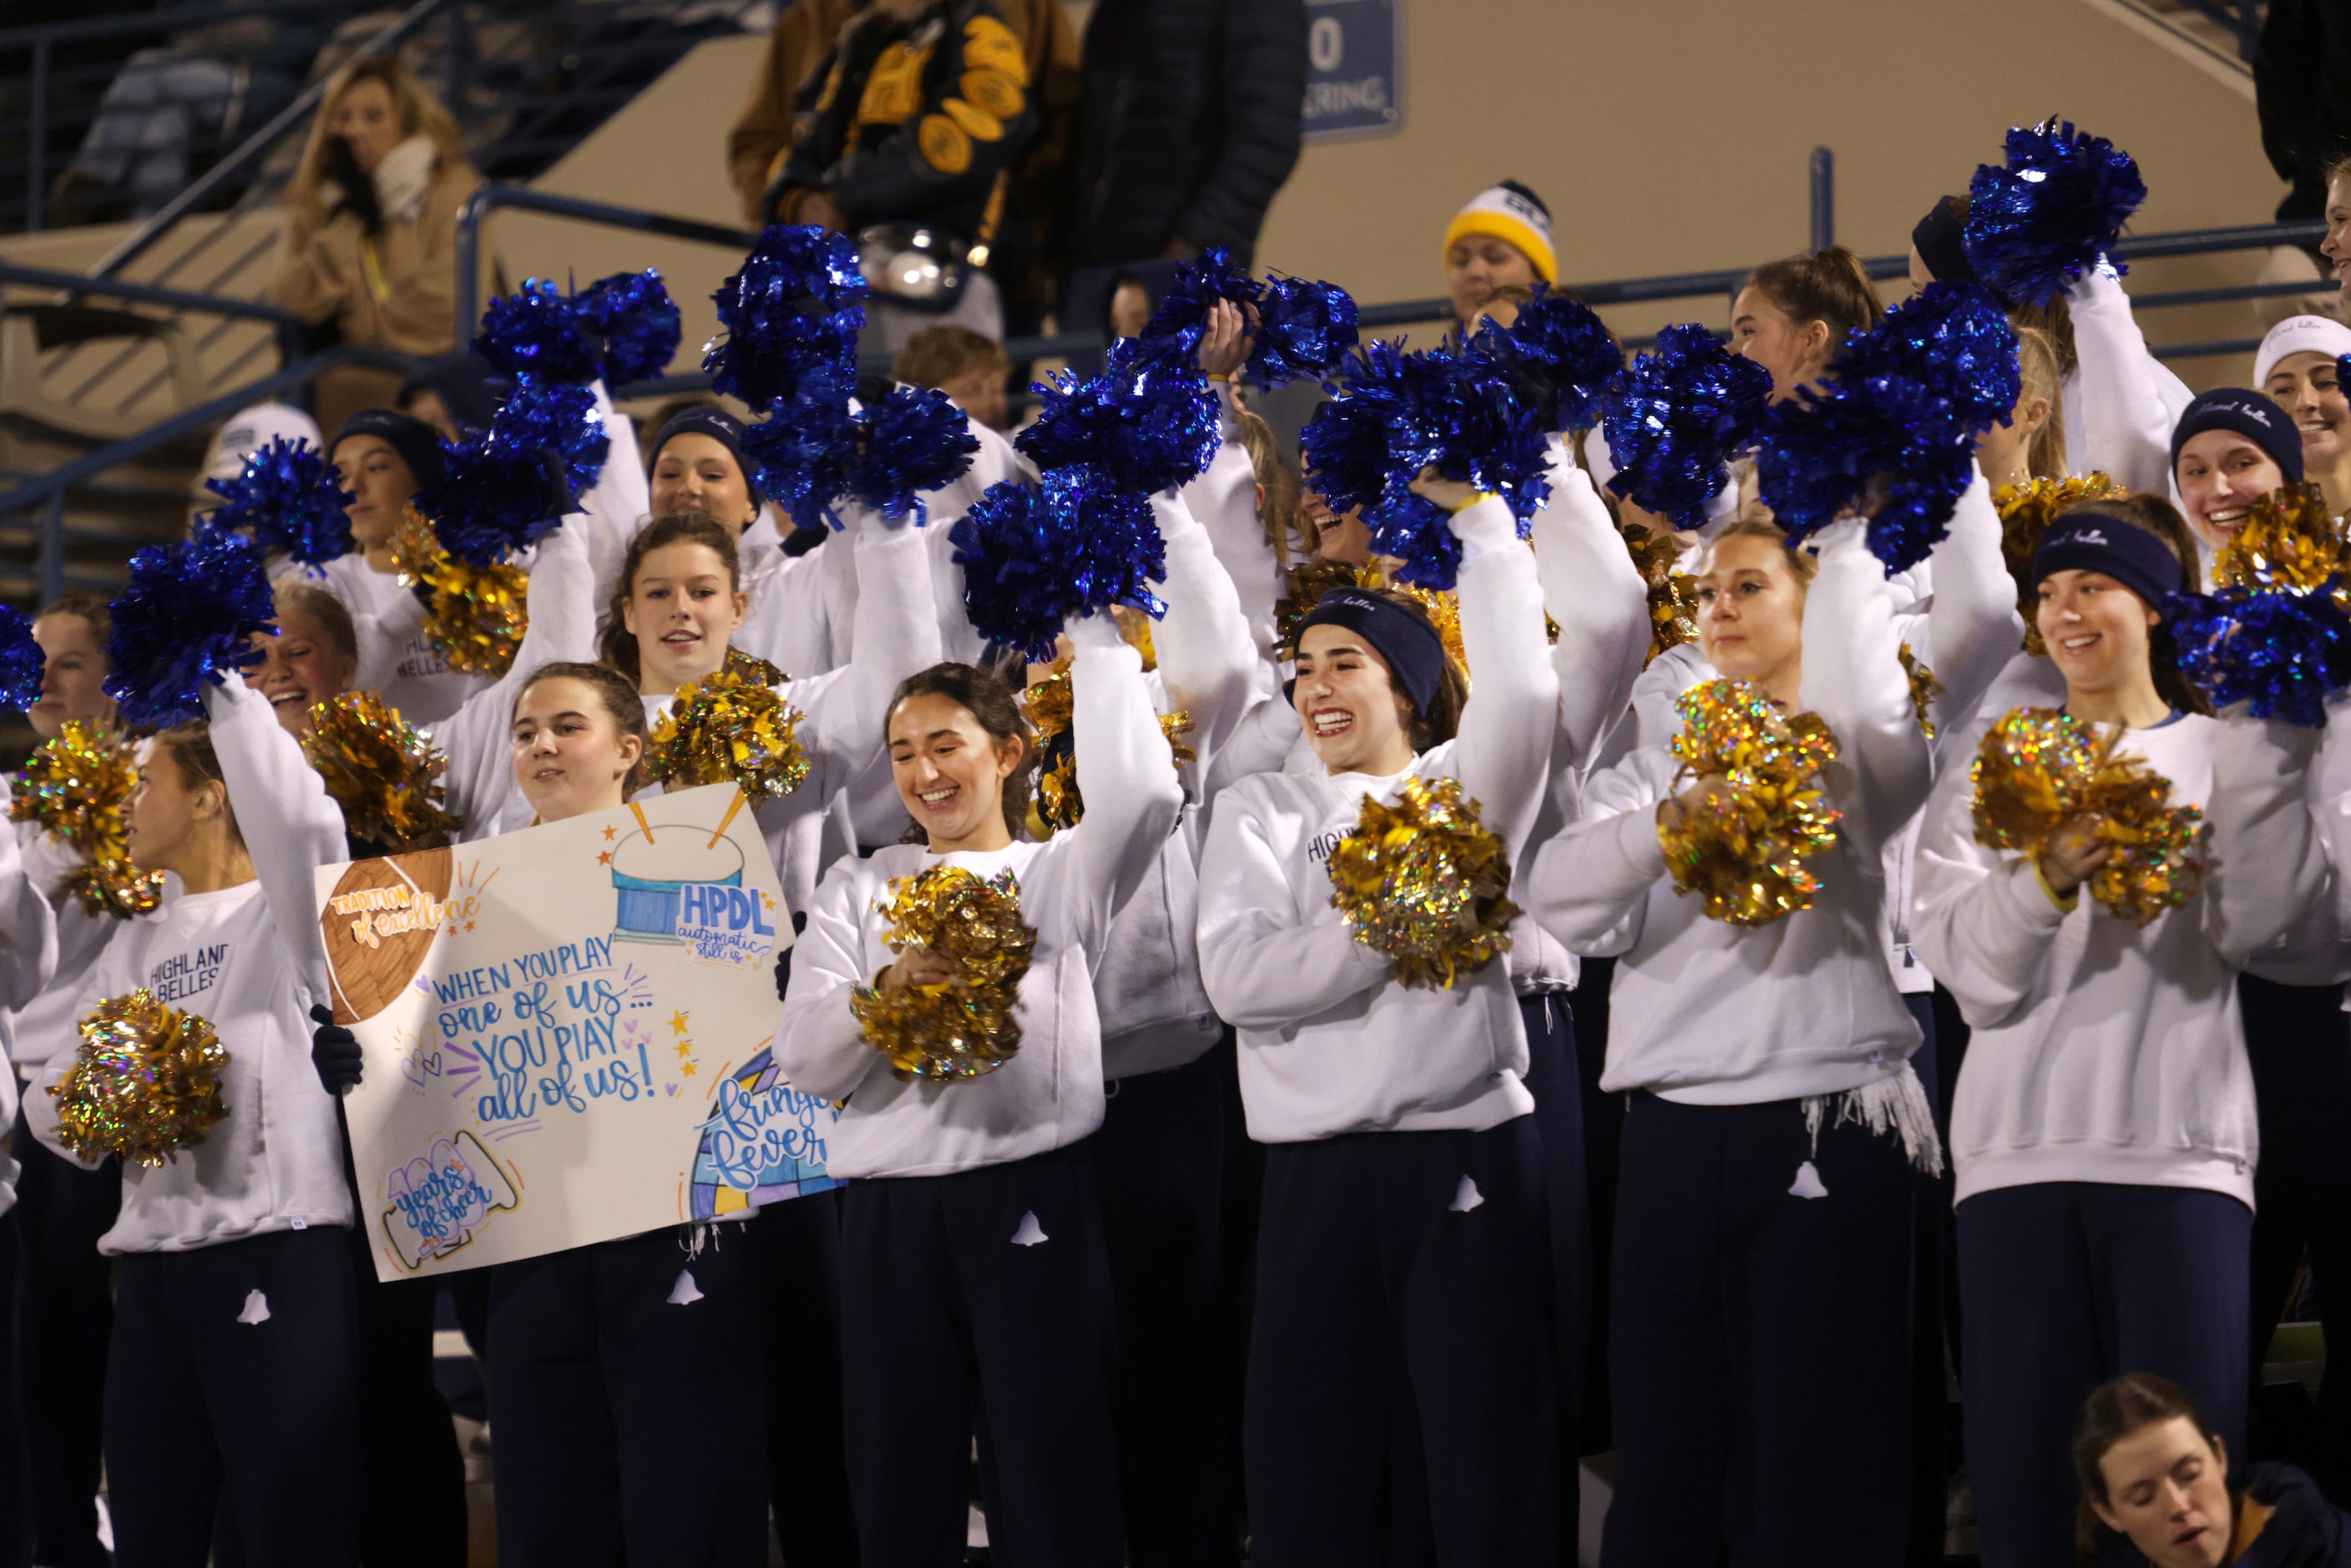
973, 1261
1760, 1297
1394, 1271
230, 1370
2103, 1131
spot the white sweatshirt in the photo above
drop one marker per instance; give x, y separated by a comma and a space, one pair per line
2120, 404
1224, 498
1330, 1043
28, 944
2102, 1051
844, 711
247, 960
41, 1026
1049, 1094
396, 653
1713, 1014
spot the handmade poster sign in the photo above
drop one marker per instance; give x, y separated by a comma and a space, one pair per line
567, 1033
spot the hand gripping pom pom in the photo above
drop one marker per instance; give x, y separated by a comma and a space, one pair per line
2273, 634
1346, 443
145, 1082
728, 728
382, 773
1743, 847
1425, 882
964, 1027
793, 308
1032, 559
916, 441
535, 331
1304, 331
636, 323
802, 450
2040, 770
1676, 418
510, 486
1418, 534
1560, 351
187, 617
1182, 318
76, 786
475, 615
290, 500
1673, 593
21, 660
2052, 213
2024, 516
1145, 423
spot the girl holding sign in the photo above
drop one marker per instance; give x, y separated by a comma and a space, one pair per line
230, 1370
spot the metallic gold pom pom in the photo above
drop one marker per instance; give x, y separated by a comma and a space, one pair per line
963, 1026
726, 728
145, 1082
1310, 579
1744, 847
1673, 593
1052, 709
382, 773
749, 667
2039, 769
1924, 689
2287, 544
475, 615
76, 786
2025, 515
1423, 882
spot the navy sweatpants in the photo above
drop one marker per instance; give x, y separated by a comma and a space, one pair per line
2297, 1039
628, 1394
1761, 1363
1554, 1078
1404, 1272
413, 1498
231, 1376
2066, 1285
988, 1287
1159, 1164
64, 1314
798, 1244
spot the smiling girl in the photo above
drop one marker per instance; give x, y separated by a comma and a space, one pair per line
2104, 1127
2230, 448
2297, 367
973, 1261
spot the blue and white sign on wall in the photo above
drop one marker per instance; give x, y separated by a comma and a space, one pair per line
1354, 56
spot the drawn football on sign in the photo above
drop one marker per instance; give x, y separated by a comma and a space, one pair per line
378, 925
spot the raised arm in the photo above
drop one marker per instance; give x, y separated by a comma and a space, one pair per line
1131, 795
1593, 590
1853, 678
1972, 627
1264, 969
290, 825
1502, 755
618, 503
2126, 415
895, 633
1207, 657
1224, 498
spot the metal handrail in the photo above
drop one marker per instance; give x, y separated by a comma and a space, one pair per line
289, 326
490, 198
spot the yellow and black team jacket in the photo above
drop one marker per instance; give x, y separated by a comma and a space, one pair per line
915, 122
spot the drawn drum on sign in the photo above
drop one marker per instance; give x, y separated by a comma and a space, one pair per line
648, 873
378, 927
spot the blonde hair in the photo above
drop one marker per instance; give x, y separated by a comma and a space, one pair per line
2040, 364
1802, 564
1284, 512
293, 595
421, 114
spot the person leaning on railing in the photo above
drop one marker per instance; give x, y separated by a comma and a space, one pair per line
371, 234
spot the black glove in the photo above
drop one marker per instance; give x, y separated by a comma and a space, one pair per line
359, 188
334, 1051
784, 960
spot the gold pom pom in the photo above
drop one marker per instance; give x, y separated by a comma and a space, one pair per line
962, 1027
1673, 593
76, 786
1924, 689
2025, 515
474, 614
1423, 882
1744, 847
1051, 708
725, 728
2039, 769
2287, 544
749, 667
145, 1082
1309, 580
382, 773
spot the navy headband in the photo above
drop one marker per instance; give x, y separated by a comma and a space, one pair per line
2085, 539
716, 423
1413, 653
2249, 414
418, 443
1938, 238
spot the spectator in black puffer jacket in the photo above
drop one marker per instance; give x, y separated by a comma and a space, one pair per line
2302, 84
1187, 126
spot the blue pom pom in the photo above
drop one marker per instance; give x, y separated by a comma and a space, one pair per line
21, 660
637, 324
1032, 559
1676, 417
187, 616
533, 332
2049, 215
801, 453
2282, 653
1304, 331
1182, 314
512, 484
1419, 534
793, 308
1346, 443
1893, 429
290, 500
916, 441
1147, 423
1561, 354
